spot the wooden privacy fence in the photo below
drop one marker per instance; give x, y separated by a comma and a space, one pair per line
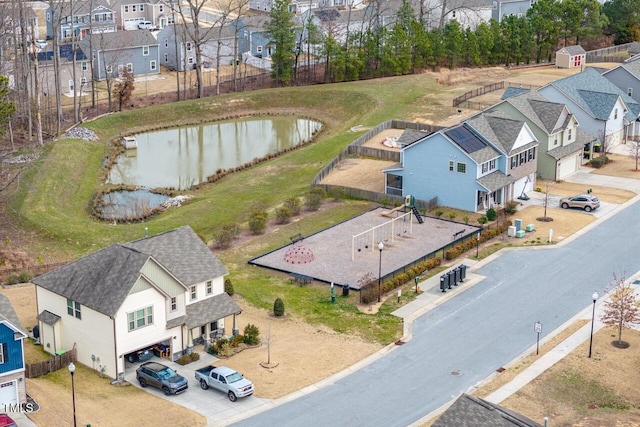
487, 89
47, 366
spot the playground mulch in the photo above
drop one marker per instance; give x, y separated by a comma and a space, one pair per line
327, 255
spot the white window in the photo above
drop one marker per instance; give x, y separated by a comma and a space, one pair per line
170, 20
492, 164
462, 167
48, 17
514, 162
495, 5
450, 165
1, 353
71, 85
188, 46
630, 91
152, 65
84, 66
130, 67
133, 8
141, 8
161, 8
109, 69
140, 318
73, 308
209, 287
145, 50
190, 60
166, 42
83, 80
194, 292
485, 167
246, 35
126, 8
166, 57
569, 135
174, 304
555, 141
259, 49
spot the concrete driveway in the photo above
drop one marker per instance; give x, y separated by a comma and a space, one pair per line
211, 403
537, 199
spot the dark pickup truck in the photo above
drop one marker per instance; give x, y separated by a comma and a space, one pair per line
226, 380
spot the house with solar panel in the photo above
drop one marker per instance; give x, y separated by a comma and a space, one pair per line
562, 142
602, 108
164, 292
483, 162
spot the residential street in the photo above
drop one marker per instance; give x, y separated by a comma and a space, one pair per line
462, 341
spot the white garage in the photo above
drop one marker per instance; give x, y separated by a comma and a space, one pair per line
568, 165
8, 394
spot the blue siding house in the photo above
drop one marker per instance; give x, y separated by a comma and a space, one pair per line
12, 368
482, 162
135, 50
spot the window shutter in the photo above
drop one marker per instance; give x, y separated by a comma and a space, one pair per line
5, 353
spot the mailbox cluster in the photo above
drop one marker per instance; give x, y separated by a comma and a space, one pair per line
453, 277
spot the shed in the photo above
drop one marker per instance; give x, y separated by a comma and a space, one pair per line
571, 57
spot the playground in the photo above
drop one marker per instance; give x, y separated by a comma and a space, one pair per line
345, 252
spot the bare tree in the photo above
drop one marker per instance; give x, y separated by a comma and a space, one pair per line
621, 309
633, 148
124, 87
546, 192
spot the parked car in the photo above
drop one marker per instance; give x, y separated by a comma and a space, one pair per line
226, 380
6, 421
146, 25
139, 356
41, 44
161, 376
582, 201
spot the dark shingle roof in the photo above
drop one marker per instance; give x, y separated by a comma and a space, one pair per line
210, 309
122, 40
502, 131
513, 91
103, 279
409, 136
496, 180
48, 317
183, 253
574, 50
544, 113
470, 411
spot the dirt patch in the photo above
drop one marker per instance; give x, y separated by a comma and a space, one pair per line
620, 165
281, 338
359, 173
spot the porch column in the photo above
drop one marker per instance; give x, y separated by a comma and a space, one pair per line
235, 331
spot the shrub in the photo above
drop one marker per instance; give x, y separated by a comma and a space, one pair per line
251, 334
236, 340
598, 162
232, 228
257, 223
538, 189
194, 356
483, 220
278, 307
223, 238
184, 359
491, 214
24, 277
511, 207
293, 203
283, 214
466, 219
313, 199
228, 287
439, 213
12, 279
452, 215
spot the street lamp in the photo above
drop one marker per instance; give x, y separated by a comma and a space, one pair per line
380, 248
72, 369
593, 316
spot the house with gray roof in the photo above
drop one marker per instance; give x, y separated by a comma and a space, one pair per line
469, 410
111, 52
562, 142
626, 77
86, 17
164, 292
12, 366
485, 161
602, 108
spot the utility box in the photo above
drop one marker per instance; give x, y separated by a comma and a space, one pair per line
345, 290
520, 233
444, 281
463, 272
452, 278
518, 224
530, 227
511, 231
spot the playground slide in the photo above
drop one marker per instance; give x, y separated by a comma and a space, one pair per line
388, 213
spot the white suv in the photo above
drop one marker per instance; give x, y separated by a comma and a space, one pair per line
146, 25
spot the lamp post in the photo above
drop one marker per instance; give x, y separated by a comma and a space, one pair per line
593, 317
380, 248
72, 369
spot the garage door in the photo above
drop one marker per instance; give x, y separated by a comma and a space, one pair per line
8, 394
567, 167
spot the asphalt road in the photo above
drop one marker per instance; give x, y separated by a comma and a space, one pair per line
462, 341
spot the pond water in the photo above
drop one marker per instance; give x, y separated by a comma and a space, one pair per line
130, 204
182, 157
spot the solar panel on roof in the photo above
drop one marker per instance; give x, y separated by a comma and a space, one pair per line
465, 139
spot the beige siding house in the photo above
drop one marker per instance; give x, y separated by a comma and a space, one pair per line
164, 292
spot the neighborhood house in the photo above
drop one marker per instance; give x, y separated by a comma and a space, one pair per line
164, 292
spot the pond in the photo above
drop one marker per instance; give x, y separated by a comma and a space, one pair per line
182, 157
130, 204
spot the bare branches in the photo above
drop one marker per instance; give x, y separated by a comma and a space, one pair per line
621, 309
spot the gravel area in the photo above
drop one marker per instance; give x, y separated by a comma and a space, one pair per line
81, 133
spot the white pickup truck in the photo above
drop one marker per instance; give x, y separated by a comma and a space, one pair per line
226, 380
